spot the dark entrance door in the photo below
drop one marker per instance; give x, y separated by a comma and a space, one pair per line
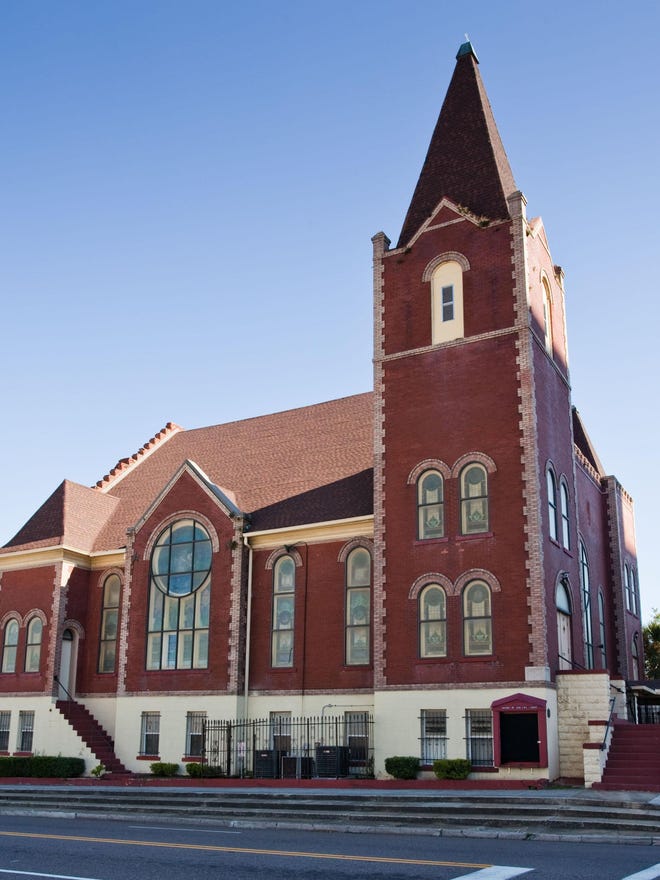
519, 737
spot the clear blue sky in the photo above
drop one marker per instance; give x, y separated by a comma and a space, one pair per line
189, 190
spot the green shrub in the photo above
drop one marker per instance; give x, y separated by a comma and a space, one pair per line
44, 766
452, 768
164, 768
402, 766
203, 770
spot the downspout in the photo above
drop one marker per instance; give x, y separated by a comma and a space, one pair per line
248, 627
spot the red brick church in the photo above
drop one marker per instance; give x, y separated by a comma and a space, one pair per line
438, 568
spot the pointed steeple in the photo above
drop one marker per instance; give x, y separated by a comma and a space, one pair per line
466, 161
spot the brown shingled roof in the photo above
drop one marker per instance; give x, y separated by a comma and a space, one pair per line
304, 465
73, 515
466, 161
279, 467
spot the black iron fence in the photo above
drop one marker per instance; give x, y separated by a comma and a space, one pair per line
285, 747
643, 713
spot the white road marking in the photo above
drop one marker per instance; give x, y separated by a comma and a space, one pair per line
647, 874
186, 829
495, 872
37, 874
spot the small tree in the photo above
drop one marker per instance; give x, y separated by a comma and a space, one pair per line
651, 638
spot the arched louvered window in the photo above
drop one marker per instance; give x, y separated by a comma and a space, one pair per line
358, 607
109, 624
33, 645
565, 521
10, 646
586, 608
474, 499
284, 602
552, 503
430, 506
477, 619
432, 622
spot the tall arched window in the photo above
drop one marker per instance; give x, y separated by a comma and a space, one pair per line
547, 317
477, 619
634, 593
552, 503
180, 594
635, 657
109, 624
474, 499
33, 645
358, 607
565, 521
284, 601
447, 302
601, 630
10, 646
430, 506
586, 608
564, 640
432, 622
626, 586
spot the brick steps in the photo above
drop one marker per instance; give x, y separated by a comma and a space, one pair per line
97, 740
633, 761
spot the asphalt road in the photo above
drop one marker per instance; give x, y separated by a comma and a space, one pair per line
88, 849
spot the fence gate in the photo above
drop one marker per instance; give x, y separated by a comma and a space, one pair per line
284, 747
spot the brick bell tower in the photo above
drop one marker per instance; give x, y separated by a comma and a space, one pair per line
472, 407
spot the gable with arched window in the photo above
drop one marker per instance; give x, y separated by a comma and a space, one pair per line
432, 617
33, 644
474, 499
358, 607
180, 594
283, 619
477, 619
10, 645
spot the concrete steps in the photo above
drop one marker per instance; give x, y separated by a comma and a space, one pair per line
530, 816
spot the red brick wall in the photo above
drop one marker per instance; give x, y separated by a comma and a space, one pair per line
23, 592
443, 404
318, 627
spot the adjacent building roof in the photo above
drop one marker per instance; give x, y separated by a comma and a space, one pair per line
466, 161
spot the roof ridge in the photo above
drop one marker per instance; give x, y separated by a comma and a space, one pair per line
124, 465
282, 412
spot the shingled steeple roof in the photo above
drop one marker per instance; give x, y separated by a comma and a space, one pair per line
466, 162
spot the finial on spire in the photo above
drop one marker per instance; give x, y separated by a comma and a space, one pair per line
467, 49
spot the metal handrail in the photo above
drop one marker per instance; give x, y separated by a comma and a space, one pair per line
609, 723
59, 684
